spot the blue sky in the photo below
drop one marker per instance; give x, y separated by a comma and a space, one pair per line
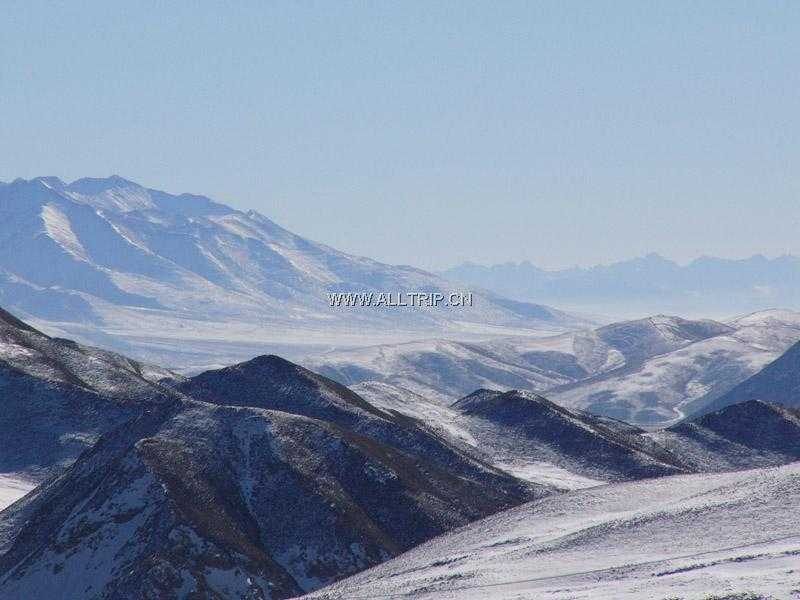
429, 133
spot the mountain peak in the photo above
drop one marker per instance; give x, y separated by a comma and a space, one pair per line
745, 413
50, 181
272, 362
100, 184
495, 404
271, 382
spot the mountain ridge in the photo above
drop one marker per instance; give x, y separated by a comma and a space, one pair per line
111, 262
167, 495
652, 371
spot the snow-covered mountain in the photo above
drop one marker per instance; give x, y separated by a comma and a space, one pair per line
778, 382
451, 369
739, 436
228, 502
666, 387
58, 397
732, 536
651, 372
266, 480
143, 271
523, 429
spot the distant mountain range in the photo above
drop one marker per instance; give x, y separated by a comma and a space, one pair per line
138, 270
707, 286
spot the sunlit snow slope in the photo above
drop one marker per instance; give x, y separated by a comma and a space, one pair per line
685, 537
651, 371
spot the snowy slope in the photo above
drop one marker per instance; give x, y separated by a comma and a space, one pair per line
140, 270
441, 418
665, 388
778, 382
450, 369
12, 489
651, 371
686, 536
441, 370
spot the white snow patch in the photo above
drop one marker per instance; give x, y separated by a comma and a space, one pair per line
12, 488
58, 227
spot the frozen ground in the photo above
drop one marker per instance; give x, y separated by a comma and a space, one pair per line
687, 537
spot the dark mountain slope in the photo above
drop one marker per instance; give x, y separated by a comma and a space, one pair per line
273, 383
740, 436
530, 427
205, 501
57, 397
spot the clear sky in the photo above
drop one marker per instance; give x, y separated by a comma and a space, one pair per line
429, 133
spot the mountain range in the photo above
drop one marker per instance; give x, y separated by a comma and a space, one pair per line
652, 371
706, 286
187, 282
138, 270
539, 441
505, 449
147, 490
266, 480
